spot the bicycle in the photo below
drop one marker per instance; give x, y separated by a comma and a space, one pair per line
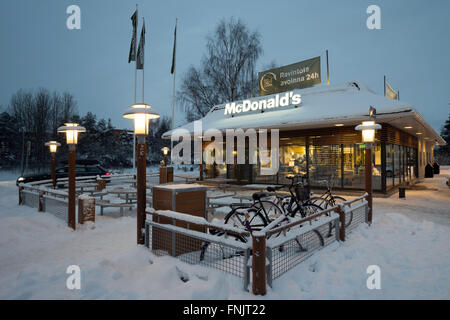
261, 212
328, 200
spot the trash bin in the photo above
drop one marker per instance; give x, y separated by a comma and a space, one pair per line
188, 199
436, 168
401, 192
429, 171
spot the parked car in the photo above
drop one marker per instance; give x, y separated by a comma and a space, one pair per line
82, 170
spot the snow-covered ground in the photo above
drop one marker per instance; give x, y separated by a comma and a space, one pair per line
409, 240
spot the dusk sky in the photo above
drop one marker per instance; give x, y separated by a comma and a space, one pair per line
37, 50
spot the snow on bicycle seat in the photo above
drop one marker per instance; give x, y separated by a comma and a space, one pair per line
258, 195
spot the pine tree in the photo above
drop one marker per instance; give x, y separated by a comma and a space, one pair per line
445, 132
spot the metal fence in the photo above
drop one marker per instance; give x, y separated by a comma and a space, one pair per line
30, 198
298, 244
285, 245
56, 206
355, 214
193, 245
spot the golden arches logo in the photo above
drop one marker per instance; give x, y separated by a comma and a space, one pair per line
266, 81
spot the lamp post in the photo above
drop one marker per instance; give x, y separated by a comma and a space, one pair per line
71, 130
141, 115
165, 152
368, 129
53, 146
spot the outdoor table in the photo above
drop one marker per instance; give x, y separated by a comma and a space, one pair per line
83, 185
217, 196
241, 198
124, 191
132, 181
189, 178
219, 181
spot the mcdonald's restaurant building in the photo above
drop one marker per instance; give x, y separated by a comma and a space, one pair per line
317, 137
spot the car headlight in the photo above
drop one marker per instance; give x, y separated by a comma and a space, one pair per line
21, 179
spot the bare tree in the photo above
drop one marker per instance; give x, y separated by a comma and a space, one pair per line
55, 113
42, 116
226, 72
38, 115
69, 106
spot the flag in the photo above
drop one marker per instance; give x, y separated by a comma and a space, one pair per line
390, 93
132, 55
140, 52
172, 69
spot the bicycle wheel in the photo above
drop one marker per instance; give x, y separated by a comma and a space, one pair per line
235, 218
348, 217
335, 200
321, 202
268, 209
306, 210
254, 221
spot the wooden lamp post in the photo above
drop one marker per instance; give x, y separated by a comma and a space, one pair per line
368, 129
53, 147
165, 152
71, 130
141, 115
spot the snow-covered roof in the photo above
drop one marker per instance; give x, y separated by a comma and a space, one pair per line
321, 106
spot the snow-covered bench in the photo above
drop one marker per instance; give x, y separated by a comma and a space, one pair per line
106, 204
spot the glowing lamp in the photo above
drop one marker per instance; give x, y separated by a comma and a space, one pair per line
165, 151
141, 114
53, 146
71, 130
368, 129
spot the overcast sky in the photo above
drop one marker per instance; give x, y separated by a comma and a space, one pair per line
37, 49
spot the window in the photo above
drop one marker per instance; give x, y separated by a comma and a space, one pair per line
325, 164
292, 161
397, 165
389, 166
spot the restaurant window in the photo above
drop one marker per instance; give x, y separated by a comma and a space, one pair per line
292, 158
397, 165
389, 166
354, 166
256, 170
325, 164
376, 167
412, 163
354, 170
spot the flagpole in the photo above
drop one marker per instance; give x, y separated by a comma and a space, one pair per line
328, 69
135, 85
143, 64
385, 86
173, 87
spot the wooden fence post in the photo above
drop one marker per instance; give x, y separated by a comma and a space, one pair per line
101, 184
341, 212
20, 195
40, 200
86, 209
259, 263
